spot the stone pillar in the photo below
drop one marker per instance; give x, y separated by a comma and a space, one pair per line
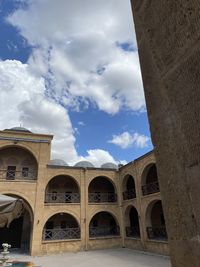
168, 34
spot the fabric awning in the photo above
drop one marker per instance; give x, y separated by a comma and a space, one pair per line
10, 209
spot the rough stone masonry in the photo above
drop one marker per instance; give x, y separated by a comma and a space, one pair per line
168, 35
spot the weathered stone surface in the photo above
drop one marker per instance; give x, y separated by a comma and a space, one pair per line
168, 34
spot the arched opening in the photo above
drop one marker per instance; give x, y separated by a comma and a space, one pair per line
19, 232
132, 222
103, 224
61, 226
17, 163
129, 187
156, 228
62, 189
150, 183
101, 189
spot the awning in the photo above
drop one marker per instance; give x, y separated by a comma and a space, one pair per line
10, 209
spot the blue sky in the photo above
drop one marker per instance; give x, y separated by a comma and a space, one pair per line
73, 71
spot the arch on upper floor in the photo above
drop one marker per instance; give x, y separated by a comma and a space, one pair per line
101, 189
128, 185
149, 180
62, 189
18, 163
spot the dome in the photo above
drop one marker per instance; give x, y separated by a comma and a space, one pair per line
58, 162
84, 164
18, 129
109, 165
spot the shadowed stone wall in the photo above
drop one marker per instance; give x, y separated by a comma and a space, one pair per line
168, 34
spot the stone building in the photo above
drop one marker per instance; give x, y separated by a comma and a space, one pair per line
80, 207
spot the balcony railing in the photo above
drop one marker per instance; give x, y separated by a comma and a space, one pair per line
129, 194
157, 233
18, 175
59, 234
104, 231
62, 198
151, 188
102, 197
132, 231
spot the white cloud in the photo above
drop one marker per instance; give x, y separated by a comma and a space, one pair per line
98, 157
77, 48
126, 140
81, 123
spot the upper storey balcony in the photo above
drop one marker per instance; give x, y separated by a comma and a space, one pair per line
129, 187
17, 164
101, 190
150, 180
62, 189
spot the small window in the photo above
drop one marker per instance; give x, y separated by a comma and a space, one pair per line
10, 175
25, 171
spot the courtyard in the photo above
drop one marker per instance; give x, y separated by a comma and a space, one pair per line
99, 258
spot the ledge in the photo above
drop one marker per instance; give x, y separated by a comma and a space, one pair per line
61, 204
157, 241
103, 237
60, 241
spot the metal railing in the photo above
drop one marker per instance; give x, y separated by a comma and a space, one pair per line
132, 231
104, 231
157, 233
151, 188
62, 198
129, 194
102, 197
18, 175
60, 234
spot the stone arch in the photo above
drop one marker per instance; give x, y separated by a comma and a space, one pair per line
61, 226
101, 189
62, 189
129, 188
149, 180
103, 224
132, 222
155, 221
18, 162
19, 233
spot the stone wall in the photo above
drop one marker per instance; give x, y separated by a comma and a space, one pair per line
169, 48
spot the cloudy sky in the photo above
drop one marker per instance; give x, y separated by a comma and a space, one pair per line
71, 68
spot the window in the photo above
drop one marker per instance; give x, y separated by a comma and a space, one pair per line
94, 223
25, 171
11, 172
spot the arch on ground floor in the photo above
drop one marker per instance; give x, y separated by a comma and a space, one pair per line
102, 189
19, 232
128, 187
61, 226
103, 224
62, 189
132, 225
155, 221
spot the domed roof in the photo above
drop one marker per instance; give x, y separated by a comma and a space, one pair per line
18, 129
109, 165
58, 162
84, 164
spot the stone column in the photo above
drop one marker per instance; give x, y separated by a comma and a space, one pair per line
168, 34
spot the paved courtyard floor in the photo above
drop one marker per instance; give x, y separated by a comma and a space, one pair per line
98, 258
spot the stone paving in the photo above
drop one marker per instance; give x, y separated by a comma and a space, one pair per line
98, 258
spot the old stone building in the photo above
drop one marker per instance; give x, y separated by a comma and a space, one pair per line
80, 207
